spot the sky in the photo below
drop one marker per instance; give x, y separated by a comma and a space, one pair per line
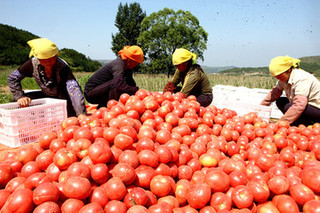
242, 33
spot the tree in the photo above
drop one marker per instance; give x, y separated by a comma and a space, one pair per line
163, 32
128, 21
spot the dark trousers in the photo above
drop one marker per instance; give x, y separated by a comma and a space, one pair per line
309, 116
102, 94
40, 94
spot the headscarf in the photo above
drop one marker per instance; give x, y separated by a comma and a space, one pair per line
42, 48
281, 64
134, 52
182, 55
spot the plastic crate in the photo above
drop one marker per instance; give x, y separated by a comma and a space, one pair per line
19, 126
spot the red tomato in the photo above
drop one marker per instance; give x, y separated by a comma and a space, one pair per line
218, 180
220, 201
123, 141
100, 173
135, 196
301, 193
259, 190
99, 152
79, 169
77, 187
149, 158
115, 188
6, 174
278, 184
144, 176
115, 206
99, 195
4, 195
44, 159
26, 154
64, 157
71, 206
161, 185
46, 192
311, 178
54, 207
125, 172
199, 195
83, 132
46, 138
311, 206
285, 203
28, 169
92, 207
242, 196
19, 201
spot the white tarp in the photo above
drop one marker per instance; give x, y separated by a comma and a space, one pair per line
243, 100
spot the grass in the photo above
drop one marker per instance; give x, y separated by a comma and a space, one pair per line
144, 81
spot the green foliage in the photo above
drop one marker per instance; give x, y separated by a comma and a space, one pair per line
163, 32
79, 62
128, 21
14, 49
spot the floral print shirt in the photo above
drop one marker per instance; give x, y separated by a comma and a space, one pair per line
62, 84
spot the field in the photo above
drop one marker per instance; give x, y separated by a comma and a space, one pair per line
144, 81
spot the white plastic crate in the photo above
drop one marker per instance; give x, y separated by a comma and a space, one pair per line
19, 126
243, 99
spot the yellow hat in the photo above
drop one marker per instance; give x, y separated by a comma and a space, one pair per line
281, 64
182, 55
133, 52
42, 48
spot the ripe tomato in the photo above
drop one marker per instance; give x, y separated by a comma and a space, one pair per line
19, 201
285, 203
242, 196
161, 185
77, 187
45, 192
99, 152
115, 188
43, 207
199, 195
115, 206
220, 201
71, 205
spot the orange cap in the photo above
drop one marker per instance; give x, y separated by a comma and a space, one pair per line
134, 52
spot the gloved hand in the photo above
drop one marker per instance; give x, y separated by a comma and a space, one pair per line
170, 87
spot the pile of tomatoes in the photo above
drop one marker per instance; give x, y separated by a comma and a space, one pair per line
153, 152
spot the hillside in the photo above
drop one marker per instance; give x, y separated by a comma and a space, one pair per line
308, 63
14, 50
211, 70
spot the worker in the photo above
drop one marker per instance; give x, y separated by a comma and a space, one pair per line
114, 78
302, 102
52, 74
193, 79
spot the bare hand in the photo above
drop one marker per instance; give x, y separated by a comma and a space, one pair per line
24, 101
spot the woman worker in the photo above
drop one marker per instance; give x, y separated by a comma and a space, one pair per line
302, 102
193, 79
52, 74
114, 78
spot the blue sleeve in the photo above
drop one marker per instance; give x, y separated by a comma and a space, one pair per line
14, 81
76, 96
